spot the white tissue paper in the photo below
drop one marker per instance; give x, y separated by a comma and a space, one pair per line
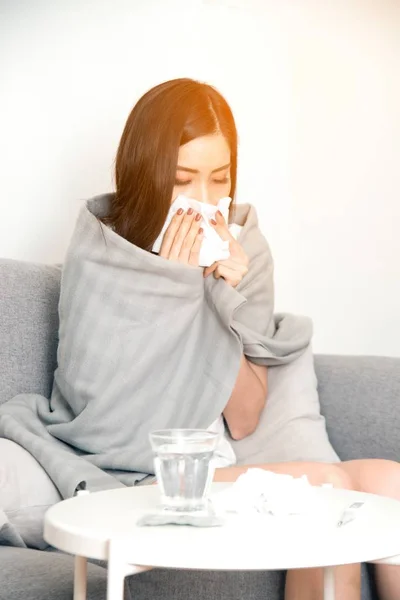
263, 492
213, 247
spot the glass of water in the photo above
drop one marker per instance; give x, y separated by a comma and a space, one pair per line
183, 467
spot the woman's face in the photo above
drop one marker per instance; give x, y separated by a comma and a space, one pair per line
203, 169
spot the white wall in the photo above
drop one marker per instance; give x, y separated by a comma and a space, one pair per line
316, 93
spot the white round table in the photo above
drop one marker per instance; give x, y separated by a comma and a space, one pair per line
102, 525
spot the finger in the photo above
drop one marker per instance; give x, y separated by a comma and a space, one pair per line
181, 234
230, 275
235, 266
235, 249
221, 227
231, 264
210, 269
195, 251
170, 233
189, 240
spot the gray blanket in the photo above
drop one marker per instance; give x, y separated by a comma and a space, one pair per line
144, 344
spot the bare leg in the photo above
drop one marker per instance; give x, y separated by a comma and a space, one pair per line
380, 477
307, 584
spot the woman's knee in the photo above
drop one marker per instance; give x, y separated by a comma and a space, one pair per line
389, 484
337, 476
375, 476
380, 477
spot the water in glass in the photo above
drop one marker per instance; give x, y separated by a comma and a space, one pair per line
184, 469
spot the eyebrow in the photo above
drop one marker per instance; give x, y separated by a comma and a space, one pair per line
178, 168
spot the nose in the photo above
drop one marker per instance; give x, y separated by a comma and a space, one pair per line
205, 194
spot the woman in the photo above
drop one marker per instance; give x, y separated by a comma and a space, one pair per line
180, 139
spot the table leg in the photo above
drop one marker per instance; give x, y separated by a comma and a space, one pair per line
115, 580
80, 578
329, 583
118, 568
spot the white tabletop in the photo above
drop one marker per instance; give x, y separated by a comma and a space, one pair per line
84, 525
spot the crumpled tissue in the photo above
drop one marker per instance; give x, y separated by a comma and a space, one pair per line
258, 491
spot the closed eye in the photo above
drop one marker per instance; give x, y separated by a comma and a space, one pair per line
187, 182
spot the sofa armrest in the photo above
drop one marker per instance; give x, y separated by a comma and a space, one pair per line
360, 399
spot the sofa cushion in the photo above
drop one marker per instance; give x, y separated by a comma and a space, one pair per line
28, 327
359, 398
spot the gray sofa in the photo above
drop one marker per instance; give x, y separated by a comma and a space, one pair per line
358, 398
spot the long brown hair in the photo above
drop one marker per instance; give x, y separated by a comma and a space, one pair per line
166, 117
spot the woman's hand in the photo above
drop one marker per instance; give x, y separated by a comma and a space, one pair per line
183, 237
234, 268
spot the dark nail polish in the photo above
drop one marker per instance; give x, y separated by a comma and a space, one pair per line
190, 211
219, 213
180, 211
201, 231
198, 217
213, 222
